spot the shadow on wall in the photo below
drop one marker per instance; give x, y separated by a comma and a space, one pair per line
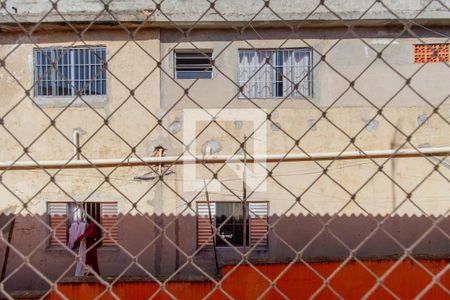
158, 255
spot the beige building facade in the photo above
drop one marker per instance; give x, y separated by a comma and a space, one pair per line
366, 92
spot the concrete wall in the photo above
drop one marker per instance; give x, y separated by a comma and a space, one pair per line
189, 11
323, 196
346, 58
130, 67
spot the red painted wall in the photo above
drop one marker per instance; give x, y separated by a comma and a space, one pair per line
298, 281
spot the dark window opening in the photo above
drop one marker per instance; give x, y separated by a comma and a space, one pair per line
230, 219
193, 64
91, 211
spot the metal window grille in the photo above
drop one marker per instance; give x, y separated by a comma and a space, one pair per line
63, 213
275, 73
230, 217
227, 218
193, 64
70, 71
89, 210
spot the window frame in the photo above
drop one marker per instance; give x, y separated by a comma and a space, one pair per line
175, 51
71, 210
69, 216
248, 229
250, 217
299, 97
98, 100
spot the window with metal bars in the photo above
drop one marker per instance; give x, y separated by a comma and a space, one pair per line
62, 214
70, 71
276, 73
193, 64
228, 218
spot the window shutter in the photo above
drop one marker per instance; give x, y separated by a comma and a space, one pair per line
109, 221
258, 223
204, 231
58, 223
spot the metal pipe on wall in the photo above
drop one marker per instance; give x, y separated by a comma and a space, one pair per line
142, 161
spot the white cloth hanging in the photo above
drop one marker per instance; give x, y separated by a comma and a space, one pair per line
73, 230
79, 269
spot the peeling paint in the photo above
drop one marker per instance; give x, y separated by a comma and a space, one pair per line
371, 125
160, 114
312, 124
175, 126
211, 147
275, 126
238, 124
422, 119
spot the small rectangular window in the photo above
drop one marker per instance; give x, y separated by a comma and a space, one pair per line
193, 64
90, 210
228, 218
62, 214
70, 71
276, 73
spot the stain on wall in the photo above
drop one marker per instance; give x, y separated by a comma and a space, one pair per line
371, 125
211, 147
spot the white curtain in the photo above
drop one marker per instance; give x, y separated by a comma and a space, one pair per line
265, 74
259, 78
255, 74
296, 67
80, 267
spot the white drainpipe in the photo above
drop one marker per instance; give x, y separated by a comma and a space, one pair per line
76, 133
135, 161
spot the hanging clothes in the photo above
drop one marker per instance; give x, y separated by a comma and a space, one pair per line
89, 237
79, 269
73, 230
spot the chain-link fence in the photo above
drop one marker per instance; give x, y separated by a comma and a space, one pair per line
224, 149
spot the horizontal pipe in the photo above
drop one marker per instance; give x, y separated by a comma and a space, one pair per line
135, 161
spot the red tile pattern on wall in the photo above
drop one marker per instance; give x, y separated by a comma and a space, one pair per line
430, 53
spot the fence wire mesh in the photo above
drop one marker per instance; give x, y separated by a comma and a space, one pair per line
207, 140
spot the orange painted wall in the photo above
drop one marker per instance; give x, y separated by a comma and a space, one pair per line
298, 281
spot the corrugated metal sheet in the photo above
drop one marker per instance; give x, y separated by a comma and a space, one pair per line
297, 282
